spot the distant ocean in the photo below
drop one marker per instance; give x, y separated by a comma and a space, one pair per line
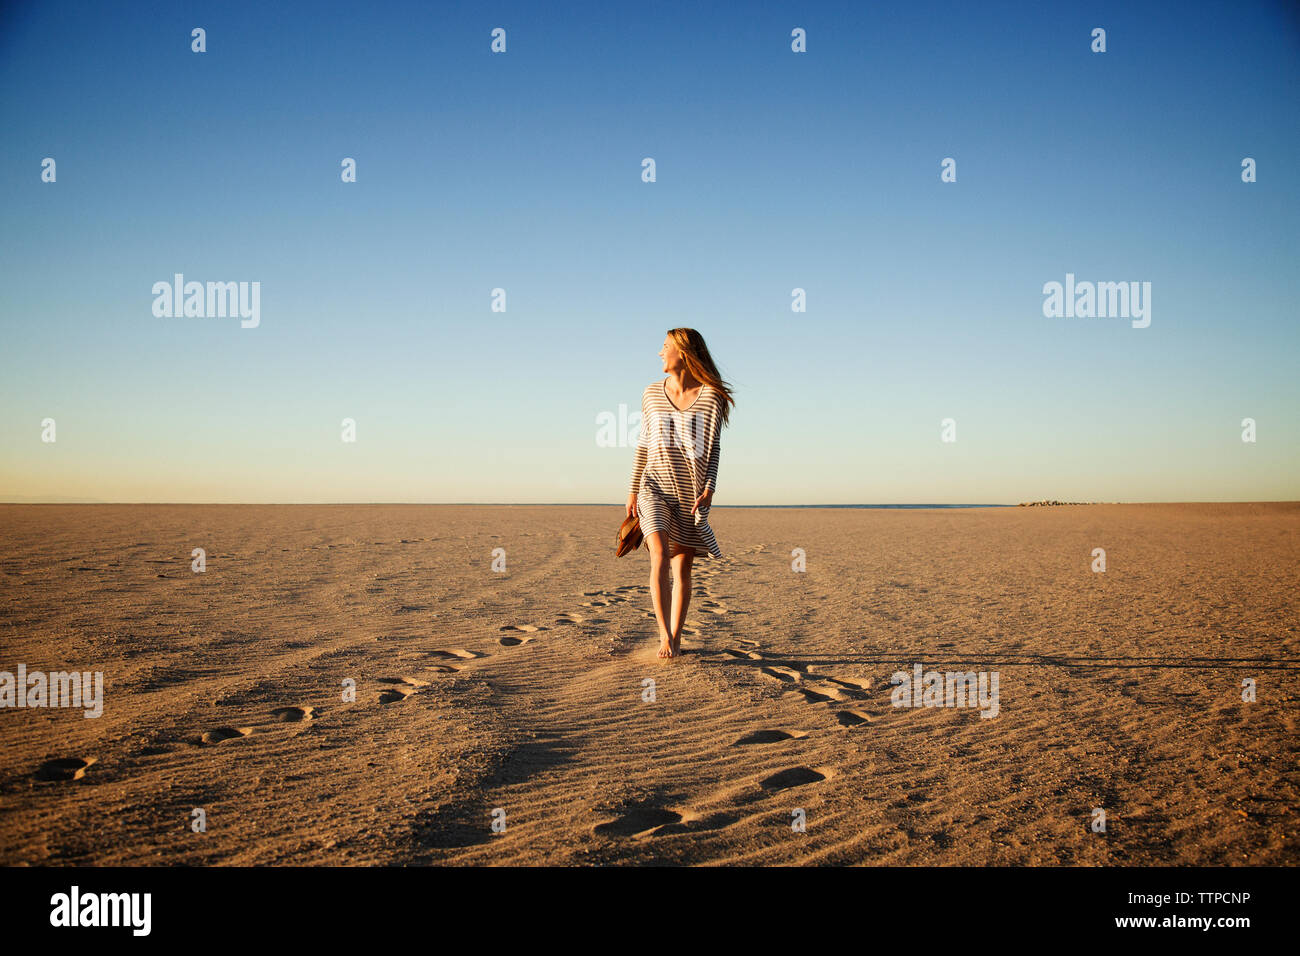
865, 506
904, 507
13, 500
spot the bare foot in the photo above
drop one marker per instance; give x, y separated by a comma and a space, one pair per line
677, 646
665, 648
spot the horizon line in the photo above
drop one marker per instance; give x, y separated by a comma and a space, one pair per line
603, 504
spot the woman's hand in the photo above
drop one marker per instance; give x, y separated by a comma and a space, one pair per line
631, 505
704, 502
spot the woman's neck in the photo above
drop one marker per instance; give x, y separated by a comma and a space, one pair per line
685, 381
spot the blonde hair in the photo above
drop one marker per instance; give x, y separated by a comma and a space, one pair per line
695, 354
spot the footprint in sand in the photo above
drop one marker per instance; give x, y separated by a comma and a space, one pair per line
399, 688
742, 653
837, 690
794, 777
787, 675
294, 715
825, 689
64, 768
638, 821
569, 619
218, 734
603, 598
852, 683
511, 641
770, 736
408, 681
455, 653
821, 694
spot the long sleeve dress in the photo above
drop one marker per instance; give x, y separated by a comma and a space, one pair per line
676, 462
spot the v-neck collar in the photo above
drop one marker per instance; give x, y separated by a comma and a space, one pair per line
664, 384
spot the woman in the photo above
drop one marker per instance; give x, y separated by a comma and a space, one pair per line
676, 472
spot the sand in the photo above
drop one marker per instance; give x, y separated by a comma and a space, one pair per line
521, 696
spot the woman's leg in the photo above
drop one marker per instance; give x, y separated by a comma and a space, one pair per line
680, 558
657, 543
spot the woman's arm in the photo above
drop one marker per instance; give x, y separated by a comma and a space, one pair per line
705, 500
715, 452
642, 452
711, 479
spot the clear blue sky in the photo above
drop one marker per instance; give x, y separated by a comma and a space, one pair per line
775, 170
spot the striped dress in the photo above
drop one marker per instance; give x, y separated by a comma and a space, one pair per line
676, 462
